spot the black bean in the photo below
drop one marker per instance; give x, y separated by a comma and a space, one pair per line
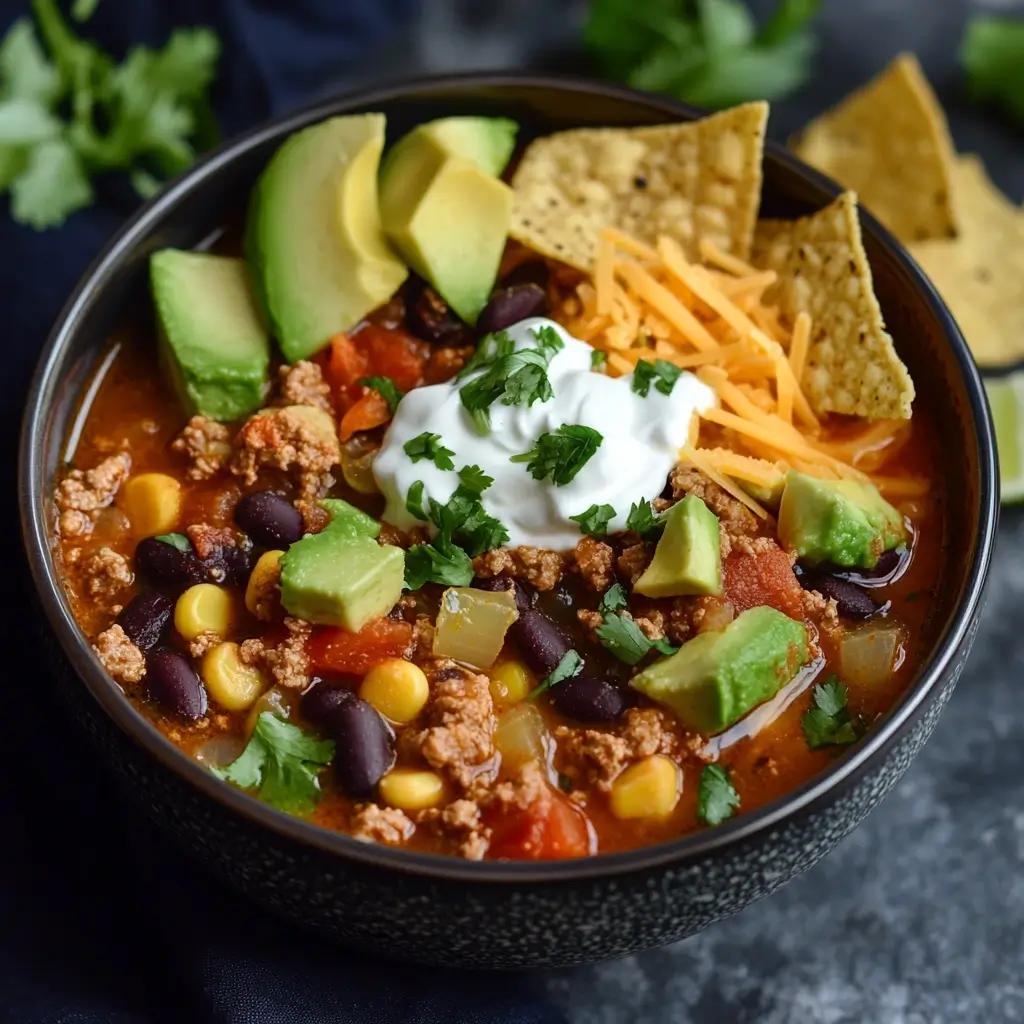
526, 596
269, 519
229, 564
165, 565
362, 746
888, 562
320, 702
541, 643
531, 272
174, 685
852, 602
145, 618
429, 317
589, 699
508, 306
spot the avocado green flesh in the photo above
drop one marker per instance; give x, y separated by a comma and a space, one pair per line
213, 342
838, 521
688, 557
314, 242
487, 141
716, 678
342, 576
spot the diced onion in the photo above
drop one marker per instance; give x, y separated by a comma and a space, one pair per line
220, 751
867, 656
471, 625
522, 736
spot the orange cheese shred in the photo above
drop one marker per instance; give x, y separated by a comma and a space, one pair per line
696, 458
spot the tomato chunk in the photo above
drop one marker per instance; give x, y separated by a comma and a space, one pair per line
373, 350
551, 828
332, 649
764, 578
368, 412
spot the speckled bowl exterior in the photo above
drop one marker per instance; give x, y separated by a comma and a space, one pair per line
443, 910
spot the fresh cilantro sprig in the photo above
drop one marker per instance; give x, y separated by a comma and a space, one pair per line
561, 455
428, 446
662, 374
992, 54
414, 501
69, 112
464, 519
717, 798
642, 519
594, 522
386, 388
282, 762
613, 599
707, 52
441, 561
570, 665
598, 360
474, 479
619, 632
828, 722
176, 540
489, 349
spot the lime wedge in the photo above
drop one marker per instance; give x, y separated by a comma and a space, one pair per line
1006, 397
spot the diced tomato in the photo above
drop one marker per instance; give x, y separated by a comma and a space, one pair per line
368, 412
374, 351
332, 649
551, 828
763, 578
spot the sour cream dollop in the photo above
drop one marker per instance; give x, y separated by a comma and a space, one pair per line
641, 441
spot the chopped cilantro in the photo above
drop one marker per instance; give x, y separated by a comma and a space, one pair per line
717, 798
282, 762
437, 563
662, 646
992, 54
561, 455
414, 501
386, 388
623, 637
570, 665
642, 519
474, 479
464, 518
614, 599
176, 540
564, 783
828, 723
662, 374
594, 522
490, 348
598, 359
428, 446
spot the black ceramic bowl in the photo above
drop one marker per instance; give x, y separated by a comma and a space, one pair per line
444, 910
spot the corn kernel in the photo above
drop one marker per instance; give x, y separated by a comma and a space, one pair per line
231, 683
153, 503
510, 682
397, 689
648, 789
411, 790
204, 608
263, 571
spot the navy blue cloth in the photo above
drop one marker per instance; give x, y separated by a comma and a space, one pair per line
102, 921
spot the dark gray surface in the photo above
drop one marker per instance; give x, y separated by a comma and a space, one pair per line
918, 917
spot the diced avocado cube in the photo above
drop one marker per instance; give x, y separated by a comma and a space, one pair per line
449, 219
688, 557
487, 141
839, 521
318, 257
342, 576
214, 344
767, 494
716, 678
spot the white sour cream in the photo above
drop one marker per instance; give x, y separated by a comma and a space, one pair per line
642, 438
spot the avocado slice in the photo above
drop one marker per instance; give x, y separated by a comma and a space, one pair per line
213, 342
487, 141
342, 576
688, 558
839, 521
716, 678
768, 495
318, 257
448, 216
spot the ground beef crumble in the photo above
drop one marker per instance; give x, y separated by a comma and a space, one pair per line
206, 444
595, 561
314, 518
120, 657
423, 631
735, 519
303, 384
634, 561
538, 566
82, 493
374, 823
208, 540
203, 643
288, 662
106, 573
821, 609
461, 825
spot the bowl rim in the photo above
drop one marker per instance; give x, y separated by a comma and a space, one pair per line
685, 850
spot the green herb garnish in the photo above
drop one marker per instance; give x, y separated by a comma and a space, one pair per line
282, 762
490, 348
663, 375
464, 519
642, 519
428, 446
474, 479
614, 598
561, 455
707, 52
414, 501
717, 798
570, 665
436, 562
386, 388
828, 723
992, 54
176, 540
598, 359
594, 522
623, 637
662, 646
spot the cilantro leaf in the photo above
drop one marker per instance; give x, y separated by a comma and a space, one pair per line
828, 723
594, 522
642, 519
661, 373
282, 762
175, 540
490, 348
414, 501
465, 519
428, 563
623, 637
614, 599
598, 359
561, 455
52, 186
386, 388
992, 54
662, 646
717, 798
428, 446
25, 71
474, 479
570, 665
83, 10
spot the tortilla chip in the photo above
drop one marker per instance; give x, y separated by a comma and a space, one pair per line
688, 181
980, 275
851, 366
889, 143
